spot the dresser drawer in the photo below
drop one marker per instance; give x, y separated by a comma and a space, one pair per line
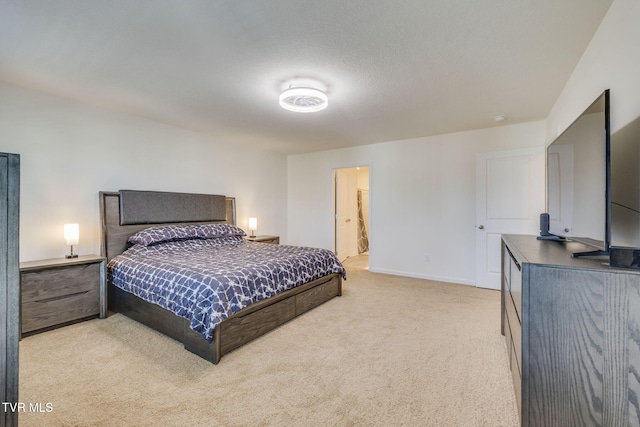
508, 339
53, 283
506, 266
515, 327
57, 310
516, 376
516, 287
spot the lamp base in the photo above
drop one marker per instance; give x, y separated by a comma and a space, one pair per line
71, 256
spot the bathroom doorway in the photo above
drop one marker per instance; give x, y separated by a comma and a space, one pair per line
352, 215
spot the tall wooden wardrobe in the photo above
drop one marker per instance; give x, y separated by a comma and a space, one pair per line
9, 286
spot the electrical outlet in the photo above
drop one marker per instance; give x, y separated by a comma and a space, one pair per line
427, 257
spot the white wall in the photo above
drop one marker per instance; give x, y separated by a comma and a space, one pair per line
71, 151
611, 61
422, 195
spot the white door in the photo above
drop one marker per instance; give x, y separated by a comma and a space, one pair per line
509, 200
560, 166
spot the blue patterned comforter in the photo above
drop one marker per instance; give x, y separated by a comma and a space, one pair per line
208, 280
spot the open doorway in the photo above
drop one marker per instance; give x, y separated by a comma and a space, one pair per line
352, 224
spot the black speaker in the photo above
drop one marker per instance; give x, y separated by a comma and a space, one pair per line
544, 229
544, 224
624, 257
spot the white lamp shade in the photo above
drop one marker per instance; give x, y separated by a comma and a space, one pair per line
253, 224
72, 234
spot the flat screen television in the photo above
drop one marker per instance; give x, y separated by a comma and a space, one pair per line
625, 185
579, 180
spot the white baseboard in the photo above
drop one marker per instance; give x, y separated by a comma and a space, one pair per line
423, 276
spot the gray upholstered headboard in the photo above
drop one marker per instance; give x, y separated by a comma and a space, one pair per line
128, 211
157, 207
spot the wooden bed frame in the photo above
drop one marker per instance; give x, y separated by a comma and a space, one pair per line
242, 327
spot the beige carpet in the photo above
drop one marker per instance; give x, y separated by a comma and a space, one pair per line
391, 351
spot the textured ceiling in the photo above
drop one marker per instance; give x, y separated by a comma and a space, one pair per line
393, 69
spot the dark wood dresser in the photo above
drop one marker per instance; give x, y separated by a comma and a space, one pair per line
56, 292
572, 328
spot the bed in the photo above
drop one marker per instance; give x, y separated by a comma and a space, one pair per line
187, 224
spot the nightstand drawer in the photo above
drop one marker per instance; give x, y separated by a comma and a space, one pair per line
264, 239
57, 310
274, 241
58, 291
58, 282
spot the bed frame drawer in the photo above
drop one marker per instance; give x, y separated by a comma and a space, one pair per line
313, 297
239, 330
242, 329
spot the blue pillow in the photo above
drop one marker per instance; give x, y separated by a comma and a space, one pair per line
209, 231
170, 233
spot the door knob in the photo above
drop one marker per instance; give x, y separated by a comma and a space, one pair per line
348, 220
481, 227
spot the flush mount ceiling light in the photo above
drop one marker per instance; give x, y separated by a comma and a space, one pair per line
303, 99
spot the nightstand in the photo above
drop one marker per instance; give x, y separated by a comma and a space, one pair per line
60, 291
264, 239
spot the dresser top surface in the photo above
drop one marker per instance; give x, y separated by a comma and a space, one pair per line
528, 249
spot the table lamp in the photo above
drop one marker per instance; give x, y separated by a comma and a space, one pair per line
72, 236
253, 225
